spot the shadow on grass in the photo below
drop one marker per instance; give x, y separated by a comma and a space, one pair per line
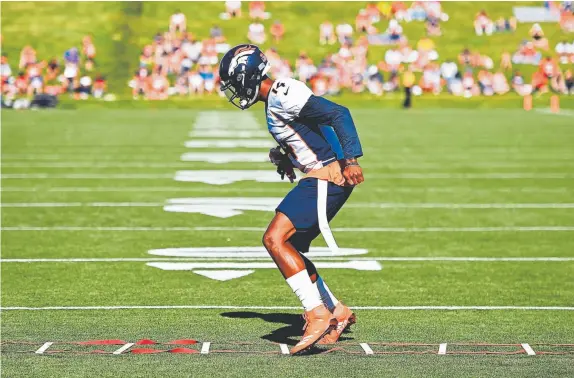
289, 334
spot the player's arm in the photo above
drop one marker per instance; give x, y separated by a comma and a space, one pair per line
321, 111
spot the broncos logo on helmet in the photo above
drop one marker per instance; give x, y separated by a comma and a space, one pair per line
242, 70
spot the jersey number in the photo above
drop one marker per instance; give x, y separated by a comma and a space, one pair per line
281, 85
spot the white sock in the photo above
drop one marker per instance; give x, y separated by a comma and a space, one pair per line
307, 292
327, 297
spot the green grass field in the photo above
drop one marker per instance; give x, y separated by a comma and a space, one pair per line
461, 208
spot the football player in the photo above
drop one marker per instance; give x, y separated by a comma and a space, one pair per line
295, 117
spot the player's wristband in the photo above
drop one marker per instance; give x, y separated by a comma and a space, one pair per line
351, 163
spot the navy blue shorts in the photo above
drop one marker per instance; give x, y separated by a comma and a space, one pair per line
308, 209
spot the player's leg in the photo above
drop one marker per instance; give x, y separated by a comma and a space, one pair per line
292, 266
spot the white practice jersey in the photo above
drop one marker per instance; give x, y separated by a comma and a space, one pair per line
306, 145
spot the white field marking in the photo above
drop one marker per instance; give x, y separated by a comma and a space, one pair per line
85, 176
82, 204
223, 207
76, 164
284, 348
229, 157
353, 264
123, 348
222, 177
44, 347
225, 120
442, 348
271, 189
362, 308
223, 275
230, 143
248, 252
205, 347
528, 349
366, 348
218, 133
498, 176
261, 229
403, 259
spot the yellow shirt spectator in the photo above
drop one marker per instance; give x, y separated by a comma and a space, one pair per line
408, 79
425, 44
385, 8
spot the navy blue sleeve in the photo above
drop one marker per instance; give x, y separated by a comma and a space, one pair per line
322, 112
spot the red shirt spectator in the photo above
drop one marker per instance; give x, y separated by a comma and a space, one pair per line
277, 31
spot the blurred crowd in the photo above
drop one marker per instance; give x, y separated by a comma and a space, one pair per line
73, 72
178, 63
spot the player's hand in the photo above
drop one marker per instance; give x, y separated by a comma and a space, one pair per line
284, 166
353, 173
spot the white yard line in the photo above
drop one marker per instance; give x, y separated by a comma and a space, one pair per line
123, 348
425, 189
317, 259
44, 347
261, 229
284, 348
528, 349
364, 308
411, 176
367, 205
95, 164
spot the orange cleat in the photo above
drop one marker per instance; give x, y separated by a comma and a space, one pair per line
318, 322
345, 317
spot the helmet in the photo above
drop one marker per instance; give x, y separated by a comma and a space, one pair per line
242, 69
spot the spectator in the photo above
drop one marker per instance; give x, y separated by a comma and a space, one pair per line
139, 83
505, 61
177, 21
526, 54
52, 70
373, 12
209, 52
538, 39
519, 85
505, 25
277, 31
21, 83
432, 28
469, 85
158, 86
485, 83
5, 70
208, 76
232, 10
327, 33
319, 84
565, 52
192, 48
216, 34
100, 86
393, 60
305, 69
84, 88
394, 31
483, 24
408, 83
194, 83
500, 84
374, 81
417, 11
448, 70
363, 22
257, 10
35, 79
27, 56
569, 82
89, 51
256, 33
344, 33
431, 81
399, 11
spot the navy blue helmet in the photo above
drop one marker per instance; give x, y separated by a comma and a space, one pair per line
242, 70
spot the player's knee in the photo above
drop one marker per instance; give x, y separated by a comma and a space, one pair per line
271, 240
